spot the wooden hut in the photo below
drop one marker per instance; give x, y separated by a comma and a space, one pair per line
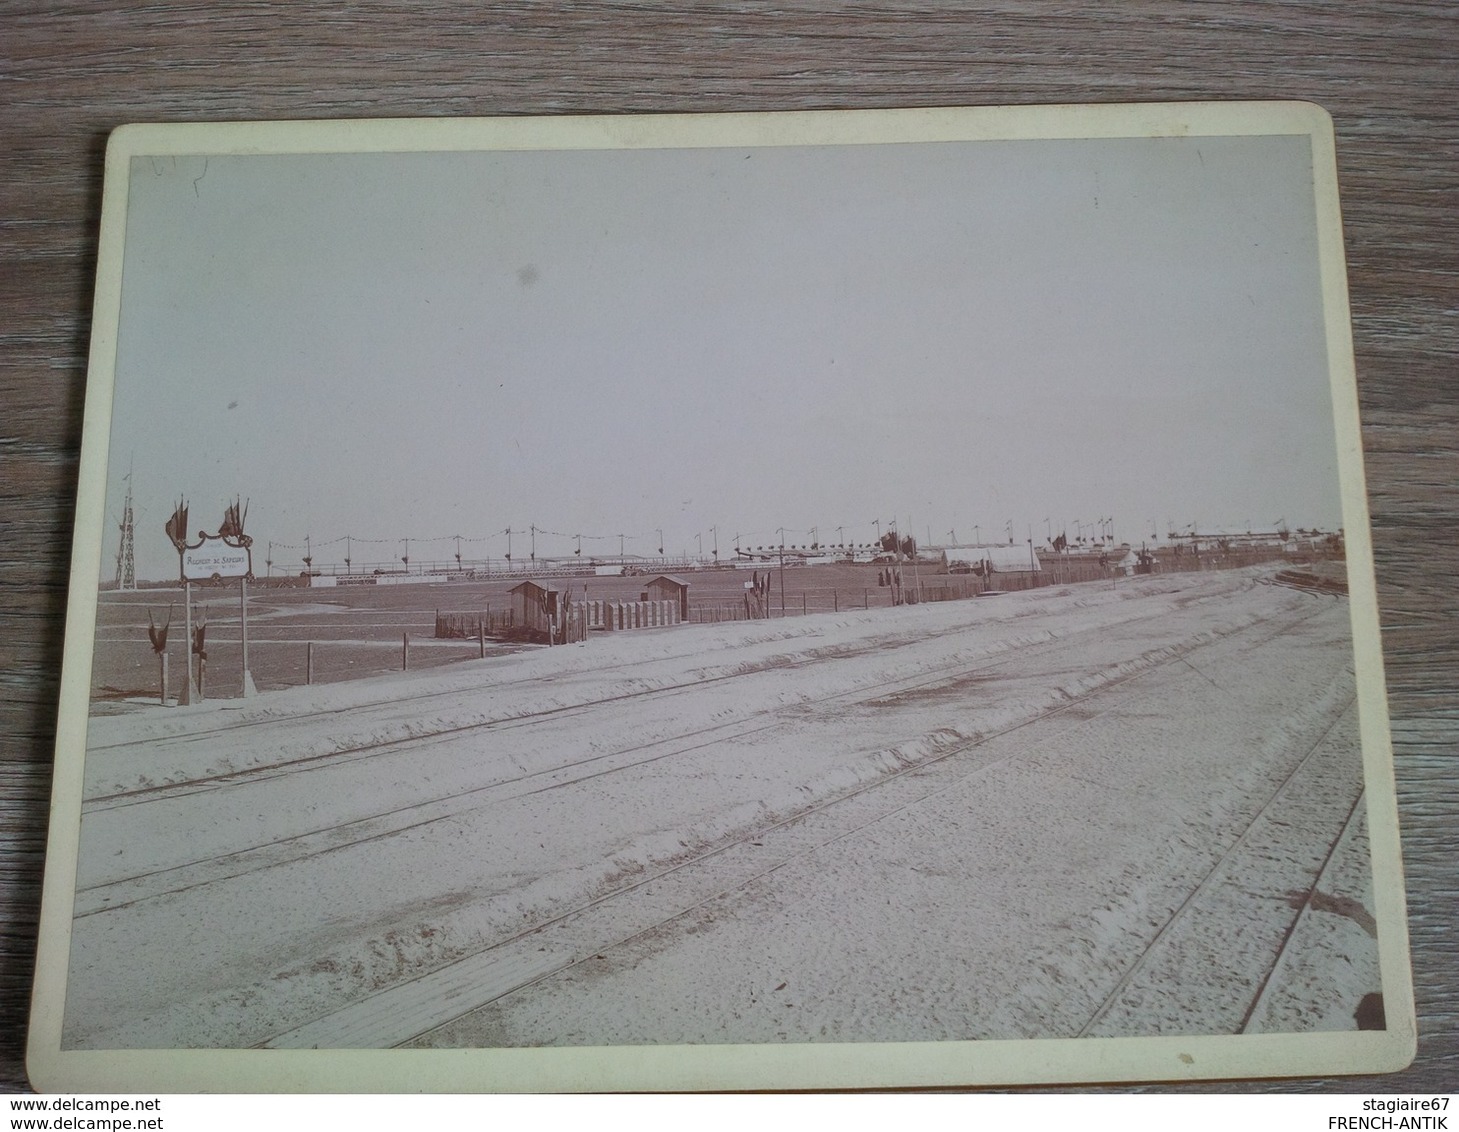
534, 605
669, 587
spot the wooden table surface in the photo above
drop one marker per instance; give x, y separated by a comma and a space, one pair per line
1389, 75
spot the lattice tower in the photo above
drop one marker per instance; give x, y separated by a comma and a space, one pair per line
126, 562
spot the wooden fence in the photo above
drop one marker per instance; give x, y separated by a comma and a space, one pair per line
615, 616
573, 623
581, 617
469, 626
713, 614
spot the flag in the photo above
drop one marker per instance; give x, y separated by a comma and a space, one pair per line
176, 526
233, 517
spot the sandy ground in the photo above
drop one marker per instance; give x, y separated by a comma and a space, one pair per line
1099, 809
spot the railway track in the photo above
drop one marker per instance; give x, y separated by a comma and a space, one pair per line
1320, 896
413, 1009
418, 702
417, 740
1199, 915
118, 892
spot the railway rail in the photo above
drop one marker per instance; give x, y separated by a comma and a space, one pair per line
1032, 687
123, 891
411, 1011
418, 701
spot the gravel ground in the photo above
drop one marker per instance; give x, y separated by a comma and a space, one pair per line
967, 819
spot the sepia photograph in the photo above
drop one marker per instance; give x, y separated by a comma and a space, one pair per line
742, 592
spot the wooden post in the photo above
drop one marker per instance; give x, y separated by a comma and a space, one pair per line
481, 634
835, 602
189, 689
162, 660
802, 603
404, 651
249, 689
309, 663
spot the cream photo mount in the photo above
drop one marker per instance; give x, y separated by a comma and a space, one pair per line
158, 300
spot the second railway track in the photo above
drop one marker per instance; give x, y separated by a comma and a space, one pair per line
492, 938
120, 891
667, 896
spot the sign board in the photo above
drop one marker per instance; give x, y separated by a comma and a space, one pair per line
216, 558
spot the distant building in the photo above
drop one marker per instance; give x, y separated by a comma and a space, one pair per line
1219, 540
986, 560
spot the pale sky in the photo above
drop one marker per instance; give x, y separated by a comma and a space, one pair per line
418, 346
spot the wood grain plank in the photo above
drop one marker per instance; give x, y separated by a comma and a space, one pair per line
1387, 72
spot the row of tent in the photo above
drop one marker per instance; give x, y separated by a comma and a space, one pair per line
999, 559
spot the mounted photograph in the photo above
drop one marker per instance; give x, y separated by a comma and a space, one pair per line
811, 600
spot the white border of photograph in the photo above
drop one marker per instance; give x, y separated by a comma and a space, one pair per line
795, 1066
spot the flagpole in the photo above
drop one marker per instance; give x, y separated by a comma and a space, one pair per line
189, 690
249, 688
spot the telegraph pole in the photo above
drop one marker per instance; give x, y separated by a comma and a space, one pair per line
896, 575
916, 570
782, 571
